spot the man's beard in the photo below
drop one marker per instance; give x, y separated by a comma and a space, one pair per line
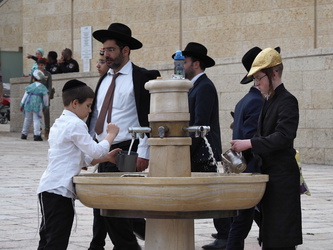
114, 63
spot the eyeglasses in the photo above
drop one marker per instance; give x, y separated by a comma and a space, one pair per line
108, 49
256, 80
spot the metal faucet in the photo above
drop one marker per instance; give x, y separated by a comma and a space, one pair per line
139, 130
198, 130
162, 131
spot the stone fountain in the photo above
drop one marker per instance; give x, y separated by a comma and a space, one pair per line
170, 196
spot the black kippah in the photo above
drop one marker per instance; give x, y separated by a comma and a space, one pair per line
71, 84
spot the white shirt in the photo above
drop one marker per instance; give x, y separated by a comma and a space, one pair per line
124, 113
71, 148
197, 76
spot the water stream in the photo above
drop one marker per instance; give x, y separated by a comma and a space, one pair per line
130, 148
210, 151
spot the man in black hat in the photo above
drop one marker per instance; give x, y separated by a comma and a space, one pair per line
122, 99
246, 117
203, 106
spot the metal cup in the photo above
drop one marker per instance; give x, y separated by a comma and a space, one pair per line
234, 160
126, 162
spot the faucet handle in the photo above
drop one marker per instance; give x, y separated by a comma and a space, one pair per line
162, 131
198, 130
139, 130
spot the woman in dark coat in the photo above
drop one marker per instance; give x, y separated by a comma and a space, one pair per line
281, 223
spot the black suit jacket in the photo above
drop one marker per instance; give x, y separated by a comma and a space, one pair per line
204, 110
142, 96
246, 117
280, 205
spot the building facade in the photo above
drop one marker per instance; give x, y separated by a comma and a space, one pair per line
228, 28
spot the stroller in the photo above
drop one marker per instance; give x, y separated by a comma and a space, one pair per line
5, 110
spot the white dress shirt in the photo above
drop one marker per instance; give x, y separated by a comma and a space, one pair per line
197, 77
71, 148
124, 112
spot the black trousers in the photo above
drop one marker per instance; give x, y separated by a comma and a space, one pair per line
120, 230
222, 226
240, 228
57, 220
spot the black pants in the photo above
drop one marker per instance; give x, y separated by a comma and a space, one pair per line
240, 228
57, 220
222, 226
120, 230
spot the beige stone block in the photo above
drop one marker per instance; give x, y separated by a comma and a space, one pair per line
323, 138
293, 80
329, 156
329, 66
325, 11
58, 36
226, 135
304, 98
312, 155
229, 100
302, 118
304, 138
202, 8
322, 99
320, 79
319, 119
296, 3
325, 41
324, 26
307, 64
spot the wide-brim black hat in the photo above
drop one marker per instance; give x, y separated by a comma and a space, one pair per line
248, 59
119, 32
199, 51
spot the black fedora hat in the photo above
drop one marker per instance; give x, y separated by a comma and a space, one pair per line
248, 59
199, 51
120, 32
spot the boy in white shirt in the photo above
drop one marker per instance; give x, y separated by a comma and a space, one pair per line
71, 148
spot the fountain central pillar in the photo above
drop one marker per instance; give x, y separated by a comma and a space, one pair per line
169, 157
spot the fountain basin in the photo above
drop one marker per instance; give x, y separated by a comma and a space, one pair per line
200, 192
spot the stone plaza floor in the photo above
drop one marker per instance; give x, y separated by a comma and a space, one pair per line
22, 163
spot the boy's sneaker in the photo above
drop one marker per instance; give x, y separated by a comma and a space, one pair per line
37, 138
23, 137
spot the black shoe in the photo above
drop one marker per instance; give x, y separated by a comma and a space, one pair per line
219, 244
37, 138
214, 236
23, 137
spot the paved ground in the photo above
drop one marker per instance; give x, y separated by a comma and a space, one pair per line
23, 162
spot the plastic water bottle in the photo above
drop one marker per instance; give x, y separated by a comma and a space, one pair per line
179, 72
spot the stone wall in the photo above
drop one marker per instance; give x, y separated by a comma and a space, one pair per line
11, 19
227, 27
307, 74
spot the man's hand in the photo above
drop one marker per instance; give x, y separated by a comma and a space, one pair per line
240, 145
141, 164
21, 109
61, 60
